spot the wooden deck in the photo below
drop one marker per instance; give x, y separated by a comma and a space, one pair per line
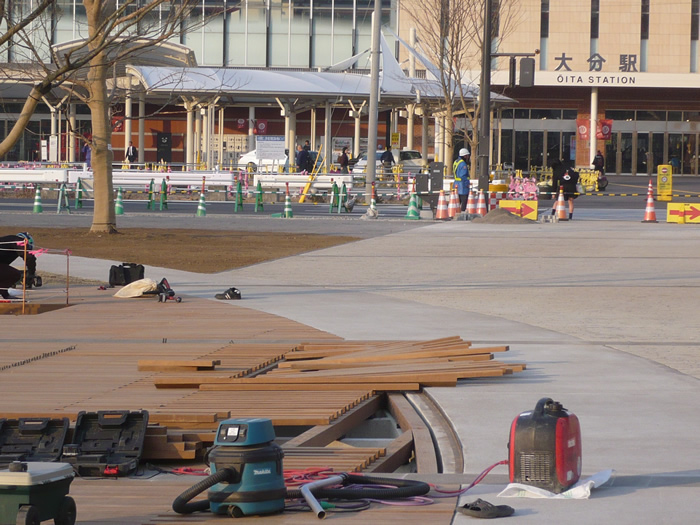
86, 358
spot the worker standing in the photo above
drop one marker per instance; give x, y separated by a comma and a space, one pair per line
461, 170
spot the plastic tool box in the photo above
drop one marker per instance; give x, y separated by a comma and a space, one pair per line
32, 492
107, 443
31, 439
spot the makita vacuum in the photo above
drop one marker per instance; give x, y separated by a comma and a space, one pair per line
247, 477
246, 472
545, 447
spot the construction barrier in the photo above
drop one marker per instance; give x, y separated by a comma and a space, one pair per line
524, 209
683, 213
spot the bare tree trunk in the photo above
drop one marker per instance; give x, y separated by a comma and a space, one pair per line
104, 218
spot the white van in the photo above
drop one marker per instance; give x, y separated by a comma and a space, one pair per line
411, 160
250, 160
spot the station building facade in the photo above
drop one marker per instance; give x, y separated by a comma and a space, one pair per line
621, 77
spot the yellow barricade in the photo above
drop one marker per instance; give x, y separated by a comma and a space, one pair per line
683, 213
524, 209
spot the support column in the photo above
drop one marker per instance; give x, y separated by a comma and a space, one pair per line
189, 136
142, 128
198, 136
410, 110
424, 134
312, 140
220, 162
594, 125
206, 131
327, 153
71, 143
251, 128
127, 121
358, 132
53, 142
292, 134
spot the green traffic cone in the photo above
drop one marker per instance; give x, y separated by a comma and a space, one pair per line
259, 198
119, 203
63, 200
163, 196
412, 213
79, 194
342, 199
334, 197
238, 205
201, 207
38, 208
151, 204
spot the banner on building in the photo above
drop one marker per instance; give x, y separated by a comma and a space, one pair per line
241, 122
604, 129
261, 127
582, 128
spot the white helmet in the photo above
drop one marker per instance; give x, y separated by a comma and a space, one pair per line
464, 152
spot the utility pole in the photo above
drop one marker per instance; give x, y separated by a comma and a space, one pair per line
373, 102
485, 103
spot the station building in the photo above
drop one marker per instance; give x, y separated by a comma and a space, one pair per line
620, 77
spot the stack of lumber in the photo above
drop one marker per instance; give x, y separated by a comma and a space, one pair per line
378, 366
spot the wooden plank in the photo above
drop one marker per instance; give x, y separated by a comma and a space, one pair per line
398, 453
322, 435
145, 365
312, 387
408, 419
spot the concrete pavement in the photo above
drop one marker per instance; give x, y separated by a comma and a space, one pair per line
603, 312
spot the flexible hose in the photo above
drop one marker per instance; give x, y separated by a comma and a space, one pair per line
405, 488
181, 504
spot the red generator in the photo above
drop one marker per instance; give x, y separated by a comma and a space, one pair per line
545, 447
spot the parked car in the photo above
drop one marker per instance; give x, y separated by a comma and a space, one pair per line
251, 161
411, 160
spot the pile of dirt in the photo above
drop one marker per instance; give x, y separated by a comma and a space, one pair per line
501, 216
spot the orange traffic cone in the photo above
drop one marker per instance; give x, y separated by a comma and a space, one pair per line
562, 214
453, 208
650, 211
471, 204
441, 214
481, 205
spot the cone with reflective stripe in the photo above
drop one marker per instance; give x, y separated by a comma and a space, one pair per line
288, 213
412, 214
441, 214
481, 205
650, 210
562, 214
471, 204
119, 203
202, 206
453, 208
38, 208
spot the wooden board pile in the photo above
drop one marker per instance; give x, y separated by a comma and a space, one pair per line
378, 366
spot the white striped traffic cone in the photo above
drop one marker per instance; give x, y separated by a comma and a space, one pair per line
471, 204
481, 206
650, 210
201, 207
38, 208
453, 207
562, 214
442, 214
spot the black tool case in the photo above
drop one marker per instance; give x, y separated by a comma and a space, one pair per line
107, 443
31, 439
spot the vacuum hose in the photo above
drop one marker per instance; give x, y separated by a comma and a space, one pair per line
181, 504
405, 488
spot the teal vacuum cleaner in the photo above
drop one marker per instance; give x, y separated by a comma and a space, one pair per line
246, 472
